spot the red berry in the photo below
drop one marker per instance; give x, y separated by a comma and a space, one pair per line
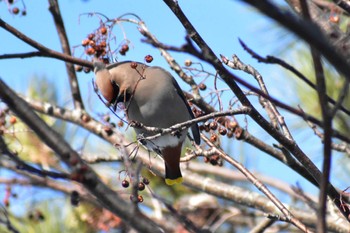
140, 198
125, 183
122, 52
91, 36
13, 120
103, 44
202, 86
145, 181
85, 42
120, 123
103, 30
141, 186
149, 58
90, 51
92, 43
133, 65
15, 10
213, 125
188, 63
222, 131
213, 137
78, 68
125, 47
231, 125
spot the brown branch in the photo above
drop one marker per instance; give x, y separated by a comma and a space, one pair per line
44, 50
327, 126
73, 80
23, 55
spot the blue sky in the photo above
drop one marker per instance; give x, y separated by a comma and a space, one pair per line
220, 24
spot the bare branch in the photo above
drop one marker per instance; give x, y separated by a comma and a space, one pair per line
43, 49
73, 81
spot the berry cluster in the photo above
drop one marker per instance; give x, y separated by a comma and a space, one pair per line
220, 126
141, 186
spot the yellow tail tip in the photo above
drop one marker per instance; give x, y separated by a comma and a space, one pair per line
178, 180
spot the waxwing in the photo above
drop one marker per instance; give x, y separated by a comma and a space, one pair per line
152, 97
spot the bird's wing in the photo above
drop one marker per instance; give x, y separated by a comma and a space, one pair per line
194, 127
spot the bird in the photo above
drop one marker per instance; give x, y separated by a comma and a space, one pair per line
151, 96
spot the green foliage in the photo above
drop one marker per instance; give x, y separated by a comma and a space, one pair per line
54, 216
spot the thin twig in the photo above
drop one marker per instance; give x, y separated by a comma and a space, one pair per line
258, 185
42, 48
73, 80
275, 60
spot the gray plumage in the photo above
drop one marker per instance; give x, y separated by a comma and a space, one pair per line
152, 97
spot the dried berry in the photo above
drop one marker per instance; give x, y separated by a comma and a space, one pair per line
75, 198
91, 36
92, 43
231, 125
149, 58
133, 65
202, 86
13, 120
103, 44
78, 68
213, 125
24, 12
90, 51
139, 198
188, 62
87, 69
141, 186
121, 52
125, 47
214, 160
15, 10
125, 183
120, 123
103, 30
85, 42
222, 131
229, 134
213, 137
106, 118
334, 18
145, 181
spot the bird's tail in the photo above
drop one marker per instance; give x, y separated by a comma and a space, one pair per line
171, 157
